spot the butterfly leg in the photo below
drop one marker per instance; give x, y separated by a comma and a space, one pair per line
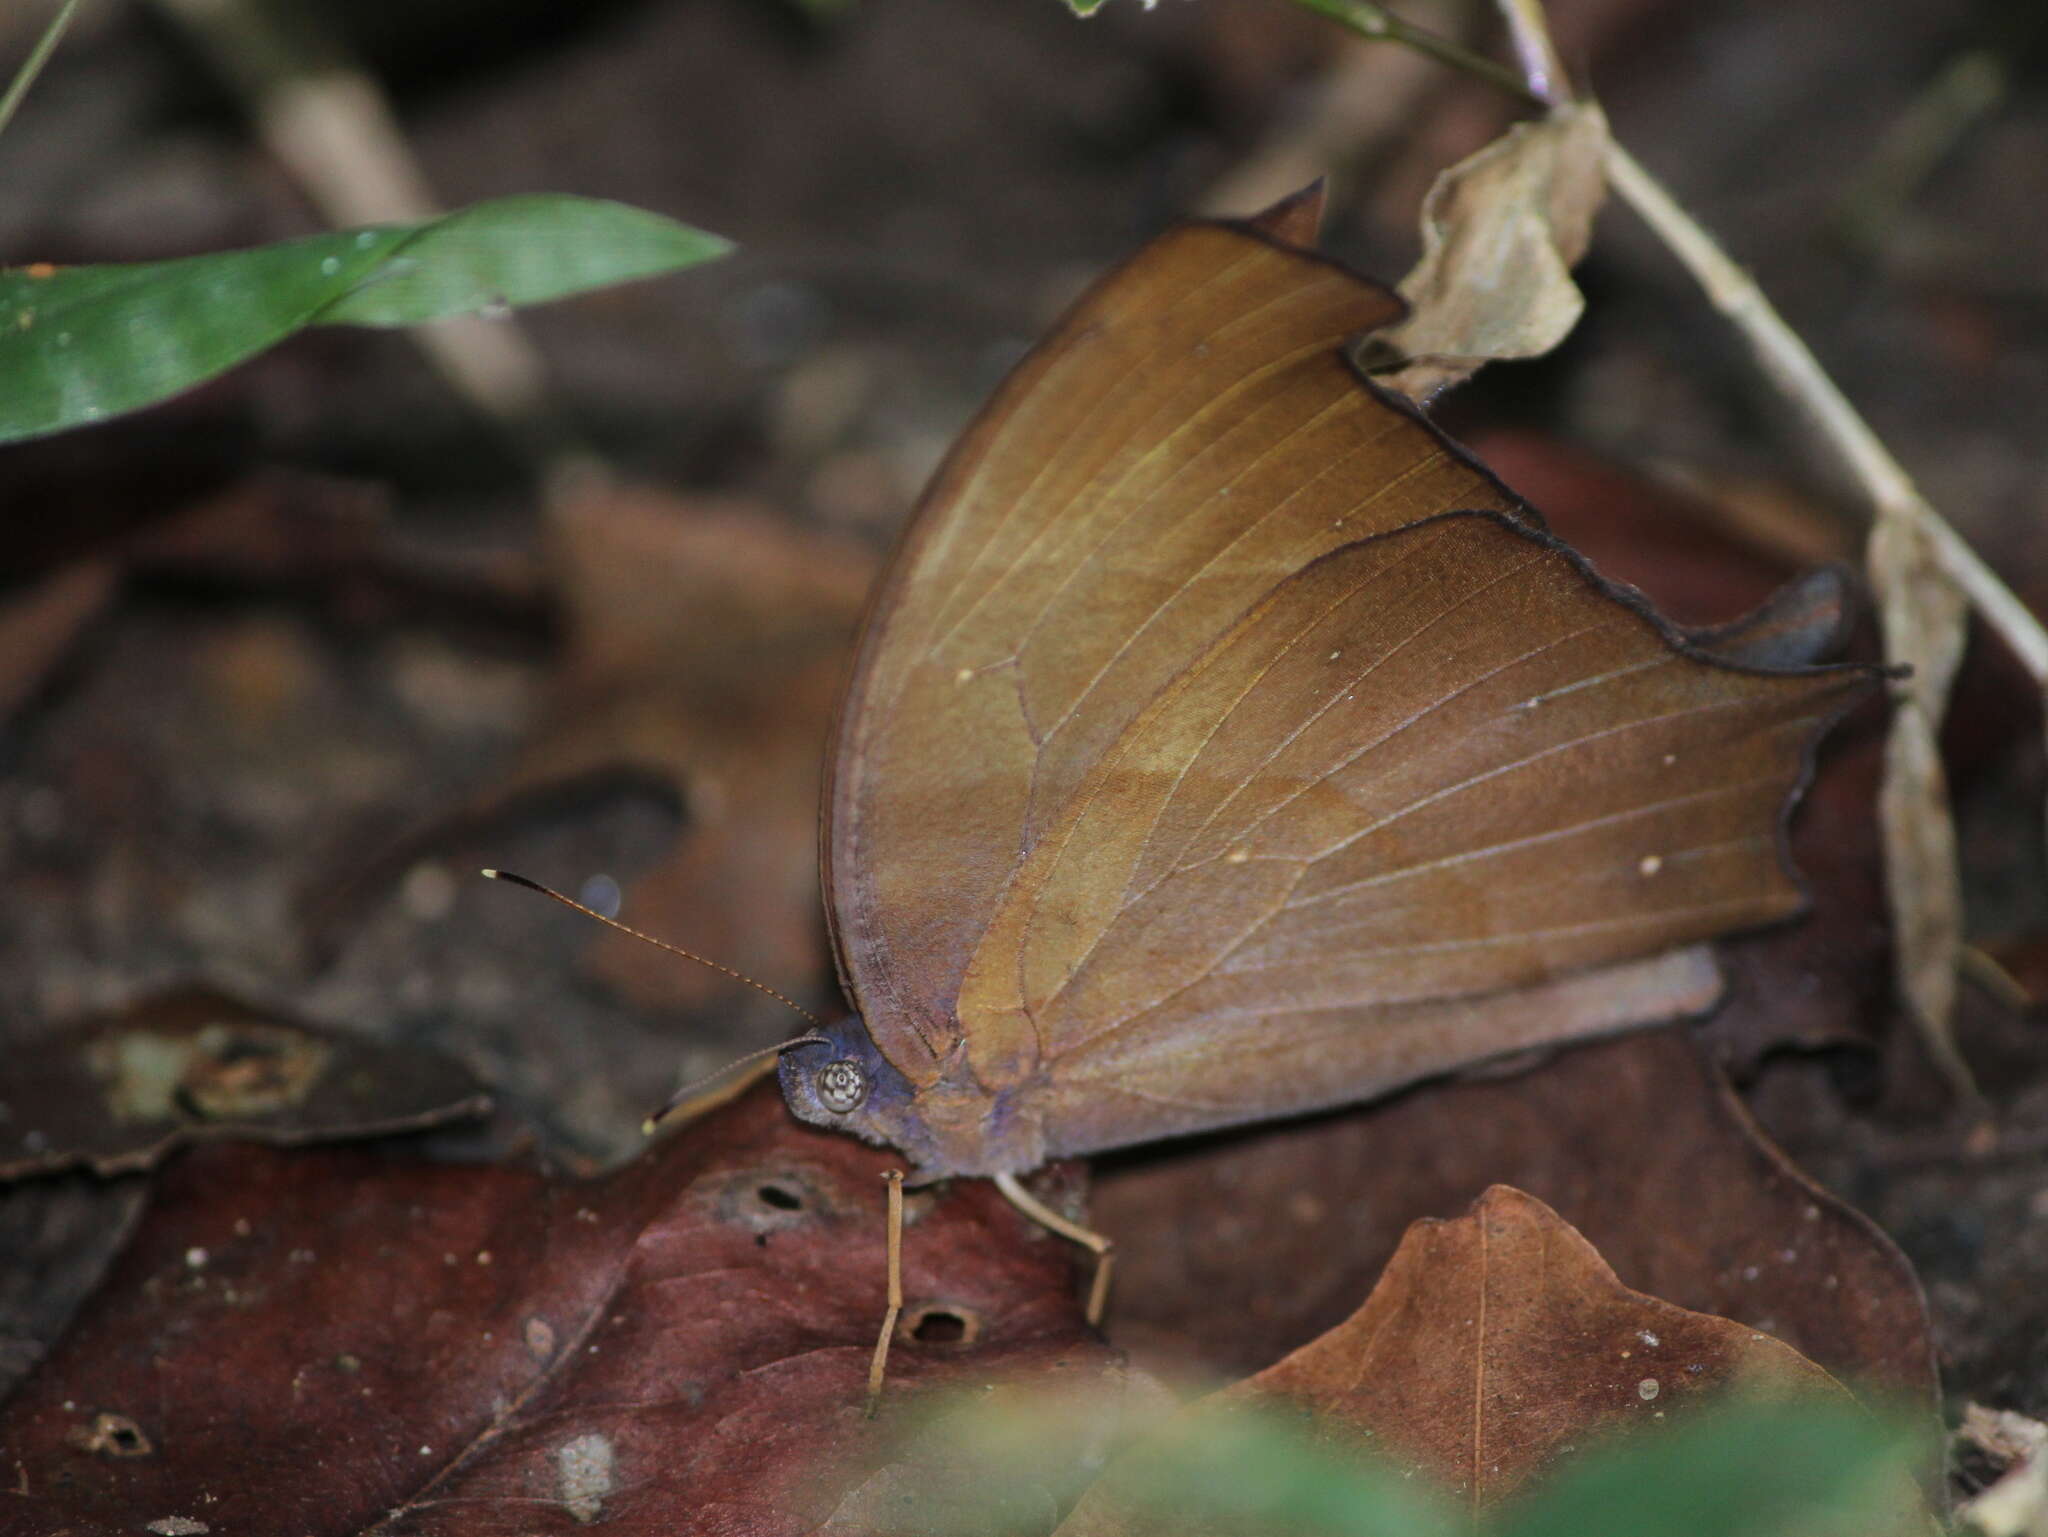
1103, 1247
880, 1363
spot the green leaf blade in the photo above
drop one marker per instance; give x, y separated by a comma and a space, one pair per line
518, 251
82, 344
1744, 1470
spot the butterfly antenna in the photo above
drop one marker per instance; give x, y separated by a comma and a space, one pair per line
690, 1090
659, 944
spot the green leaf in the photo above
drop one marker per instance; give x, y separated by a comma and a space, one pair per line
1084, 7
1256, 1471
1747, 1470
81, 344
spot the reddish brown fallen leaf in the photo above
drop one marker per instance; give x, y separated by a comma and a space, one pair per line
706, 644
117, 1093
1244, 1247
1494, 1347
327, 1342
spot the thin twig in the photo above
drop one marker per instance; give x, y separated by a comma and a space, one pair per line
1529, 36
1382, 25
1961, 94
1794, 369
32, 66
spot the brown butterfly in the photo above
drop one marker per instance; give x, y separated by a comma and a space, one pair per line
1224, 743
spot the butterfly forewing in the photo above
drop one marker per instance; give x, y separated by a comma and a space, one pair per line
1188, 437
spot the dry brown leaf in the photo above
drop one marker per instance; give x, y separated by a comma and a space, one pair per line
708, 645
1501, 231
1235, 1250
1923, 613
705, 648
1494, 1347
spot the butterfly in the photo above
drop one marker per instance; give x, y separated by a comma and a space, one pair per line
1224, 743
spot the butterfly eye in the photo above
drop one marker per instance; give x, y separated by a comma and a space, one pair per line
842, 1085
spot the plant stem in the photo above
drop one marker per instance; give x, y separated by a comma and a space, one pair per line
1382, 25
33, 65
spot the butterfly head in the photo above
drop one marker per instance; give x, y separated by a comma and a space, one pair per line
841, 1082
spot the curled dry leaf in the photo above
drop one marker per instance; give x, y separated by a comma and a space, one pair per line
1255, 1243
333, 1342
1494, 1347
117, 1093
1923, 613
2016, 1505
1501, 231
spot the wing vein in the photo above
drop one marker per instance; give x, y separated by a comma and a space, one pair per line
1507, 768
1463, 856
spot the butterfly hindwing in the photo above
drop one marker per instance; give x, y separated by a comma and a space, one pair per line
1437, 764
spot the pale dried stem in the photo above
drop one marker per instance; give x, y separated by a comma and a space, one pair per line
331, 127
32, 66
1920, 860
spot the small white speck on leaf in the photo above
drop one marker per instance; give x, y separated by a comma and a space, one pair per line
583, 1464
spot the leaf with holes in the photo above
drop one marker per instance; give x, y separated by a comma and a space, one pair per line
117, 1093
323, 1342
